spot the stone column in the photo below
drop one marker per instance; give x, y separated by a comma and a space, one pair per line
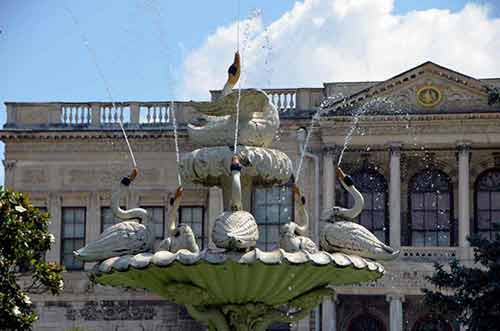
463, 194
215, 208
329, 156
395, 195
396, 311
329, 322
54, 208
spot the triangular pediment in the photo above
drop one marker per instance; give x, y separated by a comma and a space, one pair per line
427, 88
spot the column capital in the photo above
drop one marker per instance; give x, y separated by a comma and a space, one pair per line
463, 147
395, 297
332, 150
395, 148
9, 164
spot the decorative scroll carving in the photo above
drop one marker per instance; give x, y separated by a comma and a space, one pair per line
34, 176
113, 310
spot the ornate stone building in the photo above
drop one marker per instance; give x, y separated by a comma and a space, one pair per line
424, 150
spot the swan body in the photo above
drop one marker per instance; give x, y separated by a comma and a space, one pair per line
353, 238
180, 236
127, 237
290, 242
292, 235
257, 122
350, 237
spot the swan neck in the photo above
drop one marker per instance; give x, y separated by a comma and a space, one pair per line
236, 190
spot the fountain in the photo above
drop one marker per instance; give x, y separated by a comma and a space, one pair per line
236, 286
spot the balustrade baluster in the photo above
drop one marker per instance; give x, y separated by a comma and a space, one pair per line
148, 115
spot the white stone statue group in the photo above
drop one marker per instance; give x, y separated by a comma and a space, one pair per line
341, 234
236, 229
135, 234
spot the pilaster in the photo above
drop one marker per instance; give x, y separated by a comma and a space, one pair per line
330, 155
215, 208
395, 195
463, 193
329, 313
54, 208
395, 311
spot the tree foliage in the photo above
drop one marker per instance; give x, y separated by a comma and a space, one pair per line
470, 293
24, 239
493, 95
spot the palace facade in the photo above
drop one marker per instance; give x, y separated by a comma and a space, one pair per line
424, 151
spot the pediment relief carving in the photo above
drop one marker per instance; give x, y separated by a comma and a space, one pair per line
426, 88
431, 93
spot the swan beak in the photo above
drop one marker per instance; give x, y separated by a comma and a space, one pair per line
179, 192
133, 174
234, 71
340, 173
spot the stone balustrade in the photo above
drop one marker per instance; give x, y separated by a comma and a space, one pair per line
428, 254
93, 114
149, 114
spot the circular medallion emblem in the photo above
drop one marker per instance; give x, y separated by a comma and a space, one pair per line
428, 96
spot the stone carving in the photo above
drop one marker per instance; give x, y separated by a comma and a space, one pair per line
34, 176
292, 235
349, 237
180, 236
127, 237
235, 230
113, 310
235, 287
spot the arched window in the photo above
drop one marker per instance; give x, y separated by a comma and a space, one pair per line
432, 323
272, 207
430, 205
487, 202
373, 186
366, 322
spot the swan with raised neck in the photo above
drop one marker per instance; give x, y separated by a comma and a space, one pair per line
126, 237
180, 236
345, 213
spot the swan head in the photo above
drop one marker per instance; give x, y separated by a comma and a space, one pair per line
288, 229
234, 70
178, 194
182, 230
130, 178
235, 163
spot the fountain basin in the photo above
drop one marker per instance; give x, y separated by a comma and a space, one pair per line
220, 278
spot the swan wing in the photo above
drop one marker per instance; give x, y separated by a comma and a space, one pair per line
119, 239
250, 101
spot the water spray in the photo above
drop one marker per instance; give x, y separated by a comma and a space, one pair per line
93, 56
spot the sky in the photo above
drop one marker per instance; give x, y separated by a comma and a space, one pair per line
159, 49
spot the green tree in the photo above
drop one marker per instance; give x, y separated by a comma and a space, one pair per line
24, 239
470, 293
493, 95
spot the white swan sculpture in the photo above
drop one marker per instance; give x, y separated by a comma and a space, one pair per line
258, 117
293, 235
350, 237
180, 236
235, 229
127, 237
